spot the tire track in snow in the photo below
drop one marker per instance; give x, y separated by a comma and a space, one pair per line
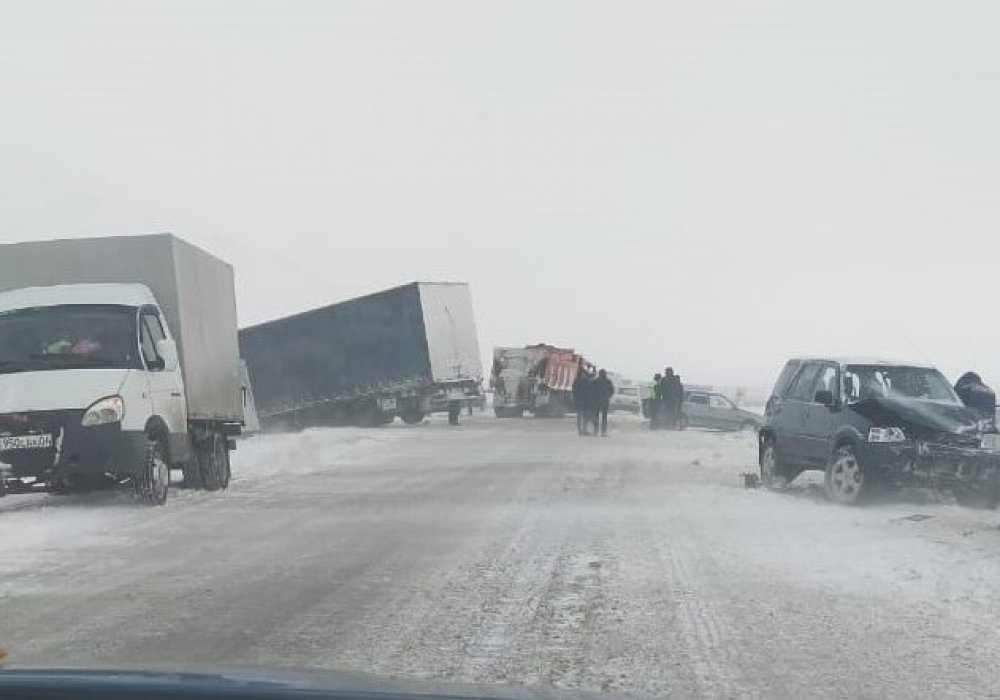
712, 644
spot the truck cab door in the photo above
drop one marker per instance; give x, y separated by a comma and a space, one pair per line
166, 387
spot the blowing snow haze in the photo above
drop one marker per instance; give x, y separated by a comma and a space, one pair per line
715, 186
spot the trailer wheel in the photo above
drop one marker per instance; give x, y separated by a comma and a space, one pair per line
215, 470
364, 414
152, 483
412, 417
367, 414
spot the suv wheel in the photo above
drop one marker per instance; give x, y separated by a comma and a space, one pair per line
770, 469
846, 481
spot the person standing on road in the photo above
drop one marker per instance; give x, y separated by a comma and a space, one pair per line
454, 411
678, 403
603, 390
655, 402
580, 399
590, 400
668, 388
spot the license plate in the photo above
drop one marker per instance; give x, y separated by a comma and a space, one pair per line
991, 441
24, 442
388, 404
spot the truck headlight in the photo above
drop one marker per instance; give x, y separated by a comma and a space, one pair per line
886, 435
110, 409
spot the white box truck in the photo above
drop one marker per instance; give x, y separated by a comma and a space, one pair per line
118, 362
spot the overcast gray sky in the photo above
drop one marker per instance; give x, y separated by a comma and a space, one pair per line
714, 185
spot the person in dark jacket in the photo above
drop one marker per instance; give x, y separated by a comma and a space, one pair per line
603, 391
590, 399
668, 407
581, 400
977, 396
678, 402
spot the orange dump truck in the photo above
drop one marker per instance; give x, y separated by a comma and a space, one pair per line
536, 379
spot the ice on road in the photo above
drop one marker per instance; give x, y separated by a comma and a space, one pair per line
514, 552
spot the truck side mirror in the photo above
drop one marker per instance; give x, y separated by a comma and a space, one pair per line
167, 350
825, 398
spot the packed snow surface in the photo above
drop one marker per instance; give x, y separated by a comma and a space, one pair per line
515, 552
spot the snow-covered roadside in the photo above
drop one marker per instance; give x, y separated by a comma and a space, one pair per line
515, 551
39, 531
924, 553
317, 449
898, 553
36, 530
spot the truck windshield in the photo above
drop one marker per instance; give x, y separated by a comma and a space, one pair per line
67, 337
863, 382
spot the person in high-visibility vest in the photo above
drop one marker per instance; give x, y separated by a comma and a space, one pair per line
656, 403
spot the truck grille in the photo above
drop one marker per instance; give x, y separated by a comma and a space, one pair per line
29, 423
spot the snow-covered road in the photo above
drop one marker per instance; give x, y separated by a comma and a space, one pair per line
514, 552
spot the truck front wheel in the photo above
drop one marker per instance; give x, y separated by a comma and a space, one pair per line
152, 482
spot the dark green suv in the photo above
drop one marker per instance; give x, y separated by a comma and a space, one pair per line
872, 422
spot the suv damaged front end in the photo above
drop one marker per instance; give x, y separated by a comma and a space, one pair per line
923, 443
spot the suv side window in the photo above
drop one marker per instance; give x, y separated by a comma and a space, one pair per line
801, 388
698, 399
827, 381
785, 378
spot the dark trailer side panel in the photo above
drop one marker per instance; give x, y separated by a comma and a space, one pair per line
355, 348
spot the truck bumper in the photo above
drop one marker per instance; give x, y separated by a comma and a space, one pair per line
77, 453
463, 392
